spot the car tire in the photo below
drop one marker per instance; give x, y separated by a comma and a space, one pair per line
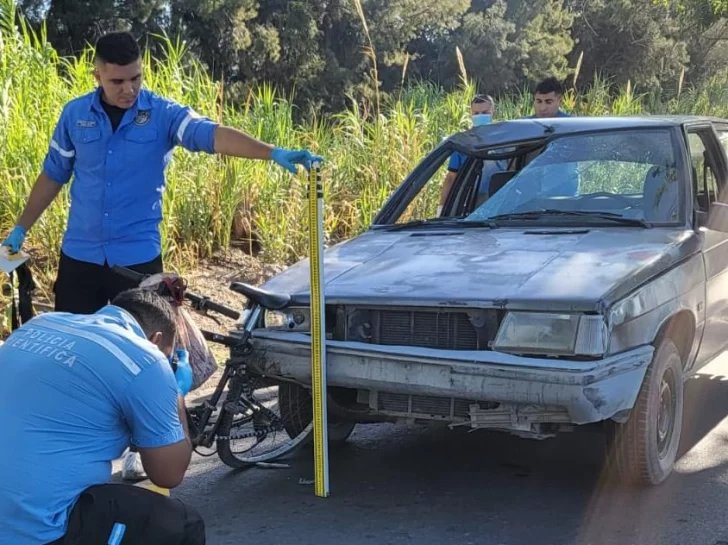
643, 450
296, 407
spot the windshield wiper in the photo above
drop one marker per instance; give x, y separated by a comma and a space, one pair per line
535, 214
457, 221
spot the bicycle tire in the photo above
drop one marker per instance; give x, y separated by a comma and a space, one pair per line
245, 460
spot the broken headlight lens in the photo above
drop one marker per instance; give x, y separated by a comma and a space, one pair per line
537, 333
292, 319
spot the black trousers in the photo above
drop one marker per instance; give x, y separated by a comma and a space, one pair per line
84, 288
146, 518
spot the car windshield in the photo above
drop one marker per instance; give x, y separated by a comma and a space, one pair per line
626, 175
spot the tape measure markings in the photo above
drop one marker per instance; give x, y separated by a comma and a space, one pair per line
318, 332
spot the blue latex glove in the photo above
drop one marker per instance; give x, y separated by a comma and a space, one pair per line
15, 239
183, 374
289, 158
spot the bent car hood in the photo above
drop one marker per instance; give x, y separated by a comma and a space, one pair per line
557, 269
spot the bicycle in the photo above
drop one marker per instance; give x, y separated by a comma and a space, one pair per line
245, 413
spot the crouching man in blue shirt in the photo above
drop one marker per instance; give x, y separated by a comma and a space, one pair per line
117, 142
75, 391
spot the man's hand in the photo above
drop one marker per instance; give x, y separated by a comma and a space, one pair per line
15, 239
289, 158
183, 374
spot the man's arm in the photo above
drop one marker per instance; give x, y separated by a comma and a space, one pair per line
41, 196
446, 187
155, 413
166, 466
229, 141
57, 169
196, 133
453, 166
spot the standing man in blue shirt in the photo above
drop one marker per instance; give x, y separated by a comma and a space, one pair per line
117, 142
482, 111
75, 391
558, 180
547, 99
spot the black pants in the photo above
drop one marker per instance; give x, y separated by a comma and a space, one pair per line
83, 288
148, 518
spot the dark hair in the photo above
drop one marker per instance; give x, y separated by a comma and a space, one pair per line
117, 48
483, 99
550, 85
151, 310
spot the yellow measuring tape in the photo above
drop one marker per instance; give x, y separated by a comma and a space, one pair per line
318, 333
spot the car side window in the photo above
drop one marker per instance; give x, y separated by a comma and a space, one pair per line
704, 177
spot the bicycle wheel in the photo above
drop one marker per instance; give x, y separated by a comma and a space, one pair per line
252, 428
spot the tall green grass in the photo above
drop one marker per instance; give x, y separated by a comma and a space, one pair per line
213, 202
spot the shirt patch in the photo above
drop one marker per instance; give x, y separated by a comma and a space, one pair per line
142, 118
85, 123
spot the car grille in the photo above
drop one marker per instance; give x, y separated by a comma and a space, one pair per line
447, 329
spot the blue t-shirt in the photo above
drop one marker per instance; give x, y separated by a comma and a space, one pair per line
75, 391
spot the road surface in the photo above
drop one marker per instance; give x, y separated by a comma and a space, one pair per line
413, 485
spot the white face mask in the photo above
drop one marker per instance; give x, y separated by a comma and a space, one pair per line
481, 119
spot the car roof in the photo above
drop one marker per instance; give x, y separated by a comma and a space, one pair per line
519, 130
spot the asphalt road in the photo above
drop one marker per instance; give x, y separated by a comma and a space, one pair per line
405, 485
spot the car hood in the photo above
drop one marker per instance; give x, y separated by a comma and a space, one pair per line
557, 269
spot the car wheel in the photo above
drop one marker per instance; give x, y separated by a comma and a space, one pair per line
644, 449
296, 407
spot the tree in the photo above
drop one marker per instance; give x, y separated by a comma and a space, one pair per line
220, 32
506, 44
704, 28
629, 40
73, 24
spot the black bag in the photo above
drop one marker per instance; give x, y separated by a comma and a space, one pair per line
22, 299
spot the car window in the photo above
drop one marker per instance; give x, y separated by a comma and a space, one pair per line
631, 173
704, 180
723, 137
424, 205
473, 183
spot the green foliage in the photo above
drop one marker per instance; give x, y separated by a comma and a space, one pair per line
212, 202
323, 51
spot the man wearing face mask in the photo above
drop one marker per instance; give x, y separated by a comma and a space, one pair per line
116, 142
75, 391
482, 111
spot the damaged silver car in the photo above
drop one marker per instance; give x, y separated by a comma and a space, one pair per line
575, 276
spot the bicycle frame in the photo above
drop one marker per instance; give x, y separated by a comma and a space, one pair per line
240, 347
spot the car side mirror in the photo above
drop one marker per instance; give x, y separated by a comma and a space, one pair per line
718, 217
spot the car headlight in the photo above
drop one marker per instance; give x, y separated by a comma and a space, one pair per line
292, 319
552, 334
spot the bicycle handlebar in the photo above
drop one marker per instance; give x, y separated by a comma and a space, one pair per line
202, 303
199, 302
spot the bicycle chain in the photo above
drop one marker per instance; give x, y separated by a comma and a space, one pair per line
248, 434
257, 433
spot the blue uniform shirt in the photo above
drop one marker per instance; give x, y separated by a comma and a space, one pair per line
75, 391
559, 113
116, 193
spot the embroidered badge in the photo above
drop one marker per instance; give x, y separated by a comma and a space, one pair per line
142, 118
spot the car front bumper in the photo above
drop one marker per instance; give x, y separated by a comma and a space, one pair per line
589, 391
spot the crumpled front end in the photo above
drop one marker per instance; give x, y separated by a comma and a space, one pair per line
479, 388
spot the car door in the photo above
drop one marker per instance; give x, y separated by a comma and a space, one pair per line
709, 183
